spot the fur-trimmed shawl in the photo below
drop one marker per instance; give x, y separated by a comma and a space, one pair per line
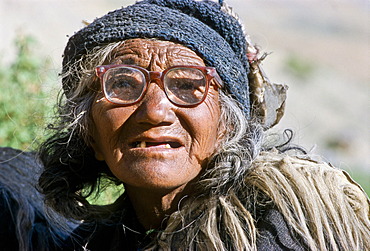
322, 206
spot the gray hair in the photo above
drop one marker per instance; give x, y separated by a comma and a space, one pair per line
220, 215
68, 149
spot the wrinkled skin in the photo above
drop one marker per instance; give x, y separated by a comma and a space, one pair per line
155, 176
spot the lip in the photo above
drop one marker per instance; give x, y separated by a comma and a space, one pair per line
161, 143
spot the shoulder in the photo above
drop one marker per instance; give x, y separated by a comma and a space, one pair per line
306, 177
120, 231
93, 236
98, 236
274, 233
322, 204
280, 160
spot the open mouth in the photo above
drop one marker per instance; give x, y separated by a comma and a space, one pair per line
146, 144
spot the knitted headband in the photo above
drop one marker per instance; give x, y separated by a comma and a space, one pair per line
202, 26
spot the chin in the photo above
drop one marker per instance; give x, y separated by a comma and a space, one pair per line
160, 180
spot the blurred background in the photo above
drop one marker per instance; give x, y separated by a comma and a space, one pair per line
319, 48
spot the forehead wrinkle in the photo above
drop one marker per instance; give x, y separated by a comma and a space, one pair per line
171, 54
132, 52
159, 54
155, 55
185, 56
159, 58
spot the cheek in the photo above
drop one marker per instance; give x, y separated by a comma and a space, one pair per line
108, 121
203, 123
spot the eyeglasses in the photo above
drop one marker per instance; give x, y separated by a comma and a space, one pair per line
184, 85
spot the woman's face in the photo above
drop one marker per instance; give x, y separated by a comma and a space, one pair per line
154, 143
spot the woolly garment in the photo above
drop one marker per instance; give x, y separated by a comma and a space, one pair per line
289, 204
202, 26
323, 207
24, 223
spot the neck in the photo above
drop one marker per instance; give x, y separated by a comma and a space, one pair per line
152, 206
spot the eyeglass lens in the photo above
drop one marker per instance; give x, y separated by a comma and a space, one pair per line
123, 85
183, 86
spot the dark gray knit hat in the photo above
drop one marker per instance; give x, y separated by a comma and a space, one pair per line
202, 26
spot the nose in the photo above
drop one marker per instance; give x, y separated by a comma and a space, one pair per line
155, 108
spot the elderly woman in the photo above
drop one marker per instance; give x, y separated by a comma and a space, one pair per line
157, 98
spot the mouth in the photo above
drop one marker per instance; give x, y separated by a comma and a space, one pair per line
149, 144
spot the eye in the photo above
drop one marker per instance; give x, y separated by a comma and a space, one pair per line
124, 88
122, 82
123, 78
183, 84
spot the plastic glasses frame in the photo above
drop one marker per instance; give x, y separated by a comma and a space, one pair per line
150, 76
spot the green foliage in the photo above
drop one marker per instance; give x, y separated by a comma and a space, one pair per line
22, 98
108, 194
